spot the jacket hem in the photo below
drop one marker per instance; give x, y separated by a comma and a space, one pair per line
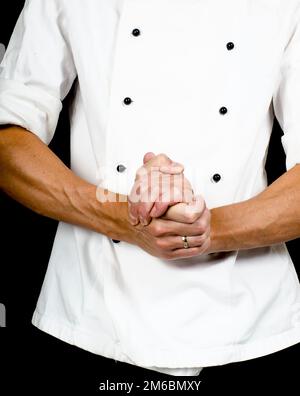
101, 344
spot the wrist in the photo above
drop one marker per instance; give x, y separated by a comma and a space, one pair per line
218, 236
110, 217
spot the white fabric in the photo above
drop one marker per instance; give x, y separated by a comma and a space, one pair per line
114, 299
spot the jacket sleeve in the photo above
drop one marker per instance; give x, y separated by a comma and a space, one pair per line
37, 70
286, 101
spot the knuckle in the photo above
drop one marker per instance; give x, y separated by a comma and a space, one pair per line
203, 224
160, 244
163, 158
205, 246
205, 236
157, 229
200, 227
136, 209
204, 221
143, 212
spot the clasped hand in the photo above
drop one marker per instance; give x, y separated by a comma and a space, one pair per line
163, 209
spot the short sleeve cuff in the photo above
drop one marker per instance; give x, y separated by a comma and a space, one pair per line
30, 107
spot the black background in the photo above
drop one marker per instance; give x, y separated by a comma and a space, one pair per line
33, 360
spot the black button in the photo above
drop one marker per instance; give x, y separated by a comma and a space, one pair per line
115, 241
136, 32
121, 168
230, 46
216, 177
127, 101
223, 110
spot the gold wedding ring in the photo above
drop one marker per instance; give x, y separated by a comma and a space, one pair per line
185, 242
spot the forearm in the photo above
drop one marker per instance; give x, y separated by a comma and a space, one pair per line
34, 176
271, 217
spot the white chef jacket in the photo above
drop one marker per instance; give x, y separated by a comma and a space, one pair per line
201, 81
